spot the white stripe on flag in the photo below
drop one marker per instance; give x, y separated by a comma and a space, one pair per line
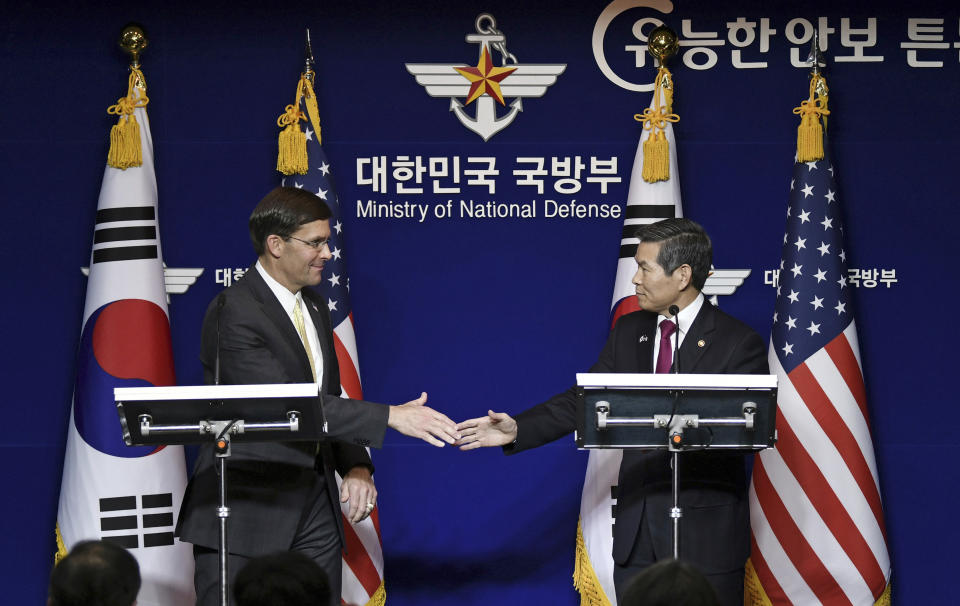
352, 591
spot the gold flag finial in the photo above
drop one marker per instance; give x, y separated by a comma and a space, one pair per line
810, 132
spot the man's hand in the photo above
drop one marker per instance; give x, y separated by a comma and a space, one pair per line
495, 429
419, 421
358, 488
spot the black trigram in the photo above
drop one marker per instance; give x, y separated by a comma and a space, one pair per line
614, 491
647, 213
152, 523
118, 233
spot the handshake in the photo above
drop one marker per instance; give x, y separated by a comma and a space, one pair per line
419, 421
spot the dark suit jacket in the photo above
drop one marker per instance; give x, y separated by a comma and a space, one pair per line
269, 482
713, 485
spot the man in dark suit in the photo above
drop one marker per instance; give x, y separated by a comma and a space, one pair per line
274, 329
673, 259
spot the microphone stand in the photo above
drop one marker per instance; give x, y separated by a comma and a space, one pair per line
676, 512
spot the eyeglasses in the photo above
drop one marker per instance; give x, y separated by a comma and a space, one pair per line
314, 244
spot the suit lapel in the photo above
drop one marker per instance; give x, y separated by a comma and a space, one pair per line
698, 339
646, 334
278, 316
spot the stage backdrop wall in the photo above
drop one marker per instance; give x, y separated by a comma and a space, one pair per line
488, 312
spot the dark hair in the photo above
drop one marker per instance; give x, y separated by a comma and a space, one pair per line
287, 578
282, 212
95, 573
669, 583
683, 241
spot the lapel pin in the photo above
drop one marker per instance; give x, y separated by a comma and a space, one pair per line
314, 306
643, 338
701, 343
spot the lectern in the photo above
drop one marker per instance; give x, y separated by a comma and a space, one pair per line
679, 413
220, 414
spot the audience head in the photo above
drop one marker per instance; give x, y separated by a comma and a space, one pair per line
95, 573
669, 583
287, 578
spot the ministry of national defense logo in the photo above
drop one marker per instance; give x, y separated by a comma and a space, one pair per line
485, 86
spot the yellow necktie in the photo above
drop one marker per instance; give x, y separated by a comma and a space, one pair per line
298, 321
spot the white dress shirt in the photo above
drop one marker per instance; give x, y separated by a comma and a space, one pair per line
683, 321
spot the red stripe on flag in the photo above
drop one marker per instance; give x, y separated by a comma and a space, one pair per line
843, 357
624, 306
804, 558
840, 435
831, 510
767, 581
349, 378
359, 561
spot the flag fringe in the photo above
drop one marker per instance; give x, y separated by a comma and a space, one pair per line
61, 546
656, 149
379, 597
754, 595
125, 146
584, 577
810, 131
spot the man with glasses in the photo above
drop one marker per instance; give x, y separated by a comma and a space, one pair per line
274, 329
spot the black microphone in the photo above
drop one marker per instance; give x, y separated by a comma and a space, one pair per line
221, 301
674, 311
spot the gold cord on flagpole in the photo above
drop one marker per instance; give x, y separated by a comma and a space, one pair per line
662, 44
292, 155
810, 131
125, 146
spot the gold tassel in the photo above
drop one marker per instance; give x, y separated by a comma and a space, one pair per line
125, 147
292, 142
810, 131
585, 578
656, 149
379, 597
61, 547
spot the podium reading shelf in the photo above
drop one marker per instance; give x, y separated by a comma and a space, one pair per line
220, 414
676, 412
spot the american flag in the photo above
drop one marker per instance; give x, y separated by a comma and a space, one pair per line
363, 562
817, 520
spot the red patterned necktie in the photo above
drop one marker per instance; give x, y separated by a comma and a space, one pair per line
665, 355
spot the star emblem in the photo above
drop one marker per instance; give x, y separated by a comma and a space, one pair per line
841, 308
800, 243
820, 275
334, 280
807, 191
811, 165
338, 226
804, 216
817, 302
335, 252
814, 329
322, 194
794, 296
332, 305
485, 78
787, 349
824, 248
324, 168
827, 223
791, 322
796, 270
830, 195
309, 134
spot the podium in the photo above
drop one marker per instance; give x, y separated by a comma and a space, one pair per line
220, 414
678, 413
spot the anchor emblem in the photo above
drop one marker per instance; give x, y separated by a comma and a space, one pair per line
484, 84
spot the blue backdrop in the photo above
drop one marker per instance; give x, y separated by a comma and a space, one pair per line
495, 312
